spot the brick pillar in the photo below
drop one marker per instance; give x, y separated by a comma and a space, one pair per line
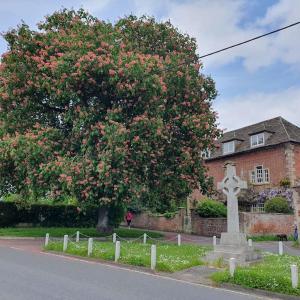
296, 200
290, 163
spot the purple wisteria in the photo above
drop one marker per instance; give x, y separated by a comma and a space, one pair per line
271, 193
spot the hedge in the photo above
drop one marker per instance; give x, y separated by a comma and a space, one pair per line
46, 215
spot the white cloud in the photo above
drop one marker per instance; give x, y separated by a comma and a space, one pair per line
283, 46
94, 6
251, 108
213, 23
146, 7
217, 24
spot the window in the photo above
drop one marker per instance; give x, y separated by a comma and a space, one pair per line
258, 208
205, 154
228, 147
260, 175
258, 140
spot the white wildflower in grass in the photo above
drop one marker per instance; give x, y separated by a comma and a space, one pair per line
273, 274
170, 257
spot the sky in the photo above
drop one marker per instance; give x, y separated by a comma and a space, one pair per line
255, 82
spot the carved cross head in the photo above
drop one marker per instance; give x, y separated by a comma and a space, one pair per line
231, 184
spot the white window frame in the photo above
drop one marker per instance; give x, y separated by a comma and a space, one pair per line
205, 154
260, 175
257, 140
228, 147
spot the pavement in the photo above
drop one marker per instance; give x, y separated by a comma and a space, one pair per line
30, 274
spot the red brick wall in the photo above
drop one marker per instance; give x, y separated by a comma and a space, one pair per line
208, 226
250, 223
272, 158
267, 224
155, 222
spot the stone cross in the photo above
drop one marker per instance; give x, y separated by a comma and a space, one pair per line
231, 185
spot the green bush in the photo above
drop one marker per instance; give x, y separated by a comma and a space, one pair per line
210, 208
170, 214
21, 201
285, 182
12, 198
277, 205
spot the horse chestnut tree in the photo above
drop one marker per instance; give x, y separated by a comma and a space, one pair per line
107, 113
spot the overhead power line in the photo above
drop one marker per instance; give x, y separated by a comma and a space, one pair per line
250, 40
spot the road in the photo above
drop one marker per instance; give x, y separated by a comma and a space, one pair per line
33, 275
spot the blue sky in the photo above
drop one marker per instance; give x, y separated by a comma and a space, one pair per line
256, 81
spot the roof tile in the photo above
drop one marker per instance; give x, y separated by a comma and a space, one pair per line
278, 131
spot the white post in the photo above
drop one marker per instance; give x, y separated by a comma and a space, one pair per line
153, 257
145, 238
117, 251
250, 244
65, 245
77, 236
114, 237
214, 240
294, 271
47, 239
231, 266
280, 248
90, 246
179, 240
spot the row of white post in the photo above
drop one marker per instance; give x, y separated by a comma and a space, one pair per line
114, 238
117, 248
232, 261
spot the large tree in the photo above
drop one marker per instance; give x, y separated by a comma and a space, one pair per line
107, 113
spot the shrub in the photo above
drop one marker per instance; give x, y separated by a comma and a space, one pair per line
277, 205
47, 215
285, 182
170, 214
12, 198
21, 201
210, 208
8, 214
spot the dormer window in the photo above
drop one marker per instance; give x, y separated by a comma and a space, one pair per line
257, 140
205, 154
228, 147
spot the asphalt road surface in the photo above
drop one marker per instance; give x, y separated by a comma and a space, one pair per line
29, 275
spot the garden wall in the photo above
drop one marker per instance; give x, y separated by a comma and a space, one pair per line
266, 224
156, 222
208, 226
250, 223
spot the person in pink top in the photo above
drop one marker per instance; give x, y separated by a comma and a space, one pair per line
128, 218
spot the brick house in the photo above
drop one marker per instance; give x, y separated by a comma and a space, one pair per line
264, 154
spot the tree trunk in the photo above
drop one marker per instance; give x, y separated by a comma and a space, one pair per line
103, 221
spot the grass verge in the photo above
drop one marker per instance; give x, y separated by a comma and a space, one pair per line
170, 257
267, 238
296, 244
273, 274
60, 231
